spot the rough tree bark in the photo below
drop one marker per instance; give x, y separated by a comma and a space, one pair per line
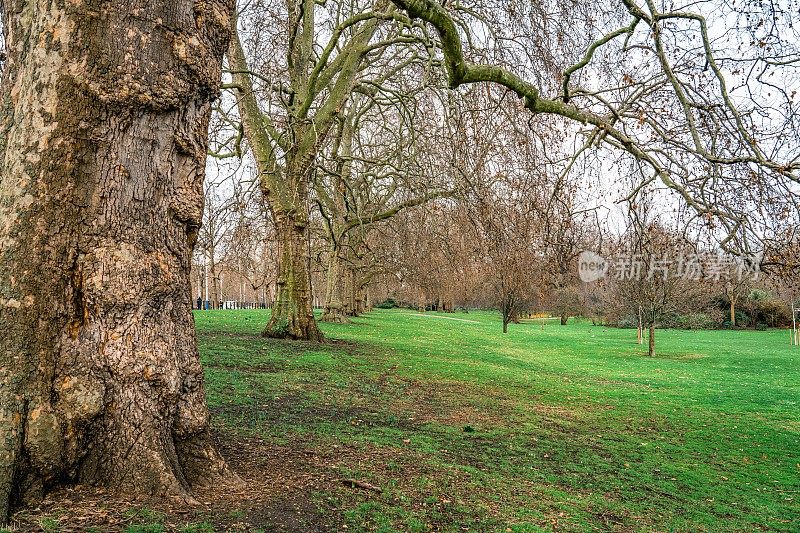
103, 127
334, 290
358, 308
293, 314
348, 288
337, 231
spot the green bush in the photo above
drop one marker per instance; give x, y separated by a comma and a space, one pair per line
695, 321
762, 307
774, 313
389, 303
627, 322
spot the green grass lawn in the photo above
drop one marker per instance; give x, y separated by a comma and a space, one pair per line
568, 428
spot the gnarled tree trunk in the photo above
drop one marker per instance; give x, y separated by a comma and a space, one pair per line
367, 299
334, 290
103, 127
358, 308
348, 291
293, 314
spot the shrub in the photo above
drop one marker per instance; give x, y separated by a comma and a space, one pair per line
389, 303
774, 313
764, 308
695, 321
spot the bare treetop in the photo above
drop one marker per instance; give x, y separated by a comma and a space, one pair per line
701, 96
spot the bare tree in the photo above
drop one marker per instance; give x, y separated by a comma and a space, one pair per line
727, 151
251, 246
383, 163
288, 109
652, 278
564, 239
736, 288
213, 232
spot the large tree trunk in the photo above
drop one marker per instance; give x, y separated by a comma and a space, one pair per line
651, 347
367, 299
733, 313
102, 154
564, 318
293, 314
348, 298
334, 289
360, 296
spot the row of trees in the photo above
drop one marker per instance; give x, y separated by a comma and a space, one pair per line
355, 124
506, 241
657, 275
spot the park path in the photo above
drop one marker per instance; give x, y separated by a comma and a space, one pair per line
444, 318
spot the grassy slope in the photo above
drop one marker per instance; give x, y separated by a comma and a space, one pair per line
562, 427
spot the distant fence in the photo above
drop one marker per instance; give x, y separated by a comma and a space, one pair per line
236, 304
229, 304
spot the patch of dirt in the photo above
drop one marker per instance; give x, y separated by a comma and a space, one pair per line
292, 408
451, 404
287, 346
276, 496
396, 403
349, 347
556, 412
279, 491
